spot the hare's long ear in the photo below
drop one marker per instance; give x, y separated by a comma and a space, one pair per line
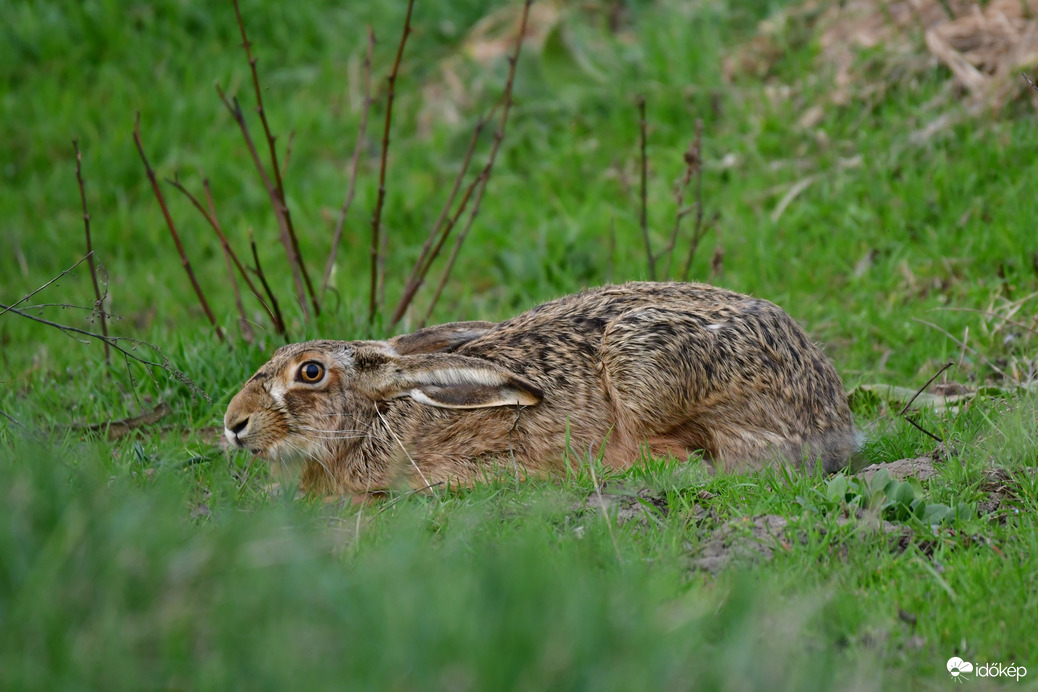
442, 337
445, 380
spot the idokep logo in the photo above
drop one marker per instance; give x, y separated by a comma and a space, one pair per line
958, 669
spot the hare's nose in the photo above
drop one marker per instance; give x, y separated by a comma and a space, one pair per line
239, 426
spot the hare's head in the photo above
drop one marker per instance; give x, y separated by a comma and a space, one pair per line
319, 399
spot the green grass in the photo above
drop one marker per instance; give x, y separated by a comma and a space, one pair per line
158, 562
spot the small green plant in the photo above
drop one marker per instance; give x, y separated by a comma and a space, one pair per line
894, 500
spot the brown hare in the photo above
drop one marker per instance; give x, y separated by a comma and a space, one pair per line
667, 368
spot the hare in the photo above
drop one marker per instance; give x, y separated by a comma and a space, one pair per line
668, 368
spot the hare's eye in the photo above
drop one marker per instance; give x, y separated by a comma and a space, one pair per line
311, 371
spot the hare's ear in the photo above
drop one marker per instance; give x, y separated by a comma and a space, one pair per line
447, 381
442, 337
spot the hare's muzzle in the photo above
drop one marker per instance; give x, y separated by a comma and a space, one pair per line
236, 429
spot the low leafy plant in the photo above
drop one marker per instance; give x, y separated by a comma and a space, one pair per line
892, 499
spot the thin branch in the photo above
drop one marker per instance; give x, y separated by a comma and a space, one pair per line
643, 218
923, 430
295, 255
210, 217
354, 164
925, 387
484, 177
266, 287
27, 296
699, 230
244, 324
115, 342
439, 231
11, 418
279, 210
693, 166
376, 219
116, 429
172, 229
98, 299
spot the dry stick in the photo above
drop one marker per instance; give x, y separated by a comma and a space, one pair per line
244, 325
210, 216
263, 280
98, 299
27, 296
925, 387
376, 218
644, 214
172, 229
484, 175
692, 167
294, 255
481, 181
699, 231
439, 231
11, 418
114, 342
903, 412
354, 164
279, 209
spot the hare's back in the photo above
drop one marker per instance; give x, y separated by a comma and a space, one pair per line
588, 312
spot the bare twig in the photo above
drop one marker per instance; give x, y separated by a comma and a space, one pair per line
27, 296
294, 255
116, 429
266, 287
376, 219
98, 299
439, 231
904, 411
116, 343
700, 230
693, 167
643, 217
484, 176
210, 217
279, 209
354, 163
172, 229
923, 430
11, 418
244, 324
925, 387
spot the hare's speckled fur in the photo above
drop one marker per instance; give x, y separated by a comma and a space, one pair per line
678, 367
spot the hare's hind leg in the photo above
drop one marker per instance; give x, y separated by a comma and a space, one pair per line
686, 381
660, 380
